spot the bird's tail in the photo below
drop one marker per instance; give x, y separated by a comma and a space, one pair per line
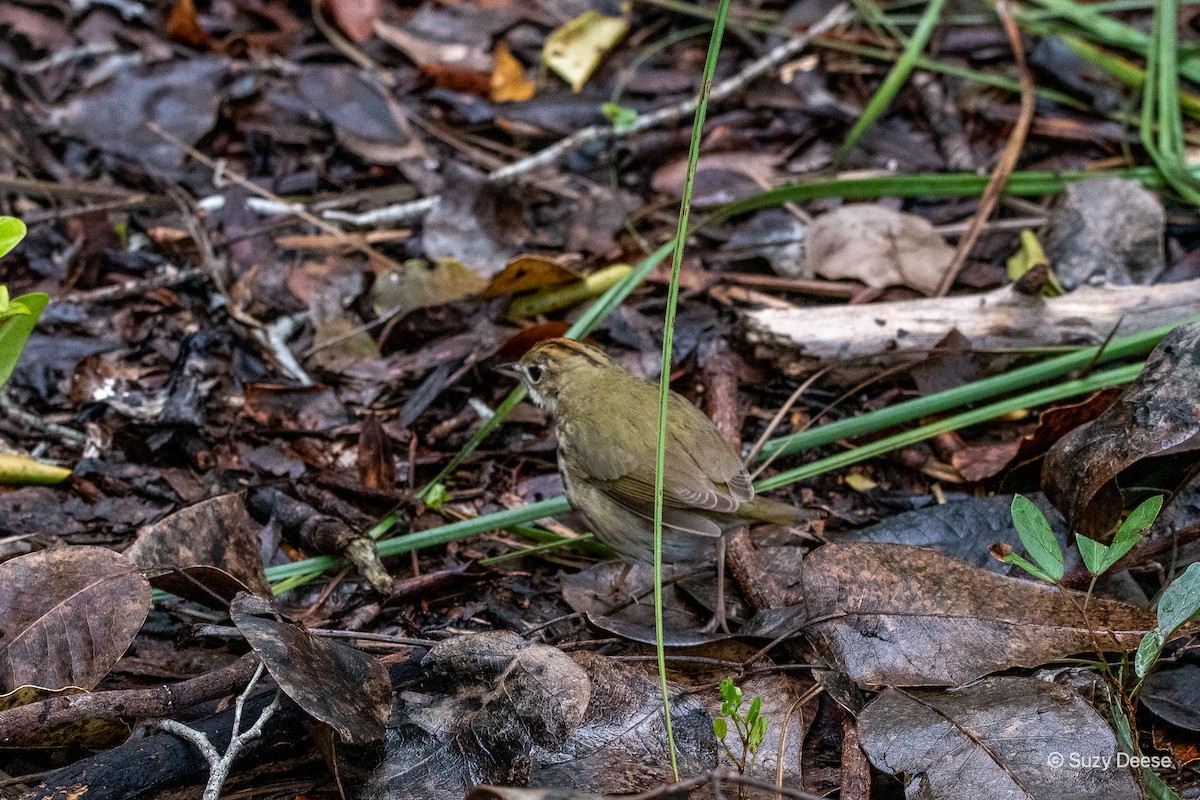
764, 509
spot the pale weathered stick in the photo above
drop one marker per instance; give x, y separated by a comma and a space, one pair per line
999, 320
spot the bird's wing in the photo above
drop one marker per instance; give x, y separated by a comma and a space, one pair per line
702, 473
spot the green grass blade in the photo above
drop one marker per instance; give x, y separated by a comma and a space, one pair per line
961, 396
664, 382
895, 78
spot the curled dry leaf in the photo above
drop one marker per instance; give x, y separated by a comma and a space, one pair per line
509, 83
215, 533
345, 688
528, 272
1001, 737
575, 50
908, 616
593, 591
67, 615
1155, 422
879, 246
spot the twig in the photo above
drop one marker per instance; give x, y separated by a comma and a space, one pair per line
275, 338
219, 765
69, 436
23, 725
724, 775
371, 253
406, 212
167, 278
1008, 157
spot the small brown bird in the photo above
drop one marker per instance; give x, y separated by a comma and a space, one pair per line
607, 440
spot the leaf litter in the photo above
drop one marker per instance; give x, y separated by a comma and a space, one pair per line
242, 382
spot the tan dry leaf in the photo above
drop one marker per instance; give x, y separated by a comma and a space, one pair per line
509, 83
420, 285
575, 50
878, 246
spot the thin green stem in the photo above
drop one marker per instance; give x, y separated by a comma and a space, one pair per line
896, 77
966, 419
664, 381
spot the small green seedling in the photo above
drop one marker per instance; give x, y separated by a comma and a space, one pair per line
438, 496
1180, 602
18, 315
750, 727
1039, 541
621, 117
1098, 558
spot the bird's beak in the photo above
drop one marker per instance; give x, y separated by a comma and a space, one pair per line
511, 369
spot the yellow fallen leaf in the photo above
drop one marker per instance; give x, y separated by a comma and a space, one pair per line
577, 48
508, 77
23, 471
860, 483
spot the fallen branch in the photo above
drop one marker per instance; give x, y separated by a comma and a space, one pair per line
1004, 319
25, 726
406, 212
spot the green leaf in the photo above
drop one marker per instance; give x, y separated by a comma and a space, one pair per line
720, 728
1180, 602
1032, 569
12, 231
1037, 536
1149, 649
755, 707
757, 732
731, 693
438, 496
1094, 554
15, 330
621, 117
1138, 522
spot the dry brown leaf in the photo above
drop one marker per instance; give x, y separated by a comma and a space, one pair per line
909, 616
878, 246
509, 83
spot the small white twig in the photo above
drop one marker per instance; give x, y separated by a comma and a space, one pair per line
275, 338
219, 765
406, 212
69, 436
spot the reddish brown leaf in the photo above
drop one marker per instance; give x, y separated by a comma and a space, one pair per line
355, 17
376, 464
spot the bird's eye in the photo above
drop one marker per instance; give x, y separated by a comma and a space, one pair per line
534, 372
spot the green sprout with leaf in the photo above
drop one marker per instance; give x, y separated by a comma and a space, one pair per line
750, 727
18, 315
1180, 600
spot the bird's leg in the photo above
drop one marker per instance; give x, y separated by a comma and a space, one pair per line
718, 621
618, 587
